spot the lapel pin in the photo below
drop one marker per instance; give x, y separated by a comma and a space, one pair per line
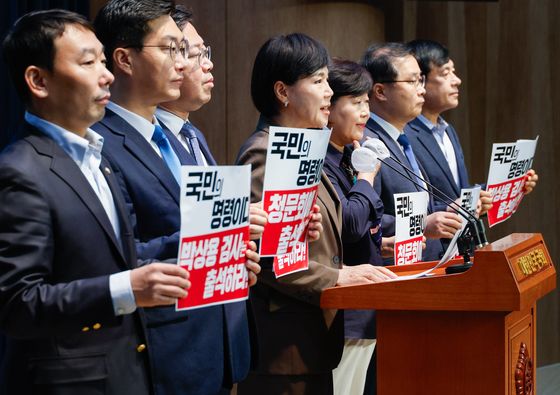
107, 170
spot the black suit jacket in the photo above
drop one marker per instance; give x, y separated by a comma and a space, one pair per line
388, 182
57, 251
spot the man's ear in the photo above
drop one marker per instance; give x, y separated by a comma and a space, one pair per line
378, 92
122, 60
36, 79
281, 92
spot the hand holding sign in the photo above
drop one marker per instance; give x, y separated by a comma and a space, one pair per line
159, 284
315, 227
252, 262
532, 178
257, 220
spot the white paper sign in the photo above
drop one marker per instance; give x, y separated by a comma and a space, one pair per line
509, 164
214, 233
411, 210
293, 171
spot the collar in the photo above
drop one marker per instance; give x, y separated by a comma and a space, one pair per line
392, 131
170, 120
334, 155
78, 148
439, 128
140, 124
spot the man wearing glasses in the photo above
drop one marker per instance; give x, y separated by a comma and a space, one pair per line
396, 98
191, 352
196, 91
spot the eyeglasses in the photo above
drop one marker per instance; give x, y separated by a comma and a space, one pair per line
204, 54
418, 83
173, 47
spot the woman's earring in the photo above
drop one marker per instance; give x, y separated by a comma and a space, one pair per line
286, 103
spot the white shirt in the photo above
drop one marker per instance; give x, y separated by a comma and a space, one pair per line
444, 142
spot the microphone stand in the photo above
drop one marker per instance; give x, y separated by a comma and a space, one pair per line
466, 241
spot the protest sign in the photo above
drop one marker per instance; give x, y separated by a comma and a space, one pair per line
214, 234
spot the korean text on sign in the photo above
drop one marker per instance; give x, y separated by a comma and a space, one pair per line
507, 176
214, 234
410, 220
293, 171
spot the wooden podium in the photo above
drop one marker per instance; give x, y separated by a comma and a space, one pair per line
470, 333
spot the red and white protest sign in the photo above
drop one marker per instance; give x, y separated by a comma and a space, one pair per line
509, 164
293, 171
411, 210
294, 261
214, 234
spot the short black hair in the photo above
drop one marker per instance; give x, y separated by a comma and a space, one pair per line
347, 78
31, 42
182, 16
428, 53
379, 60
288, 59
124, 23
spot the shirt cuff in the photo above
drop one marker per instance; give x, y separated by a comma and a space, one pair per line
121, 293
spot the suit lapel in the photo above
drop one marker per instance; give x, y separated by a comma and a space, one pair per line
426, 138
185, 157
393, 148
67, 170
143, 151
203, 144
391, 144
127, 236
332, 204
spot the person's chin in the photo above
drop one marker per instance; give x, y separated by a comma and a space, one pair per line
172, 94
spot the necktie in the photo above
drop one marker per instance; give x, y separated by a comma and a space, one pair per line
167, 153
405, 144
189, 131
346, 165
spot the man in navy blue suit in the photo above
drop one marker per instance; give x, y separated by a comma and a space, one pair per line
435, 142
70, 284
396, 98
201, 351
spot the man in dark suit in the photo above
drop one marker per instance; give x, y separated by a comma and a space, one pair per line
396, 98
435, 142
69, 281
147, 53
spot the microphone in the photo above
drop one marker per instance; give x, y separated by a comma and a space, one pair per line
474, 229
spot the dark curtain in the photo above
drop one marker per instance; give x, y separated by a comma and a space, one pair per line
10, 106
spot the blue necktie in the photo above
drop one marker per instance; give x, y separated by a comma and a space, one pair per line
167, 153
189, 131
405, 144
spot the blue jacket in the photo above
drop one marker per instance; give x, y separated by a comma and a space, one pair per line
198, 351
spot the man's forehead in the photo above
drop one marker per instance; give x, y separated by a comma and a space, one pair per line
446, 66
164, 28
407, 65
191, 34
79, 39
